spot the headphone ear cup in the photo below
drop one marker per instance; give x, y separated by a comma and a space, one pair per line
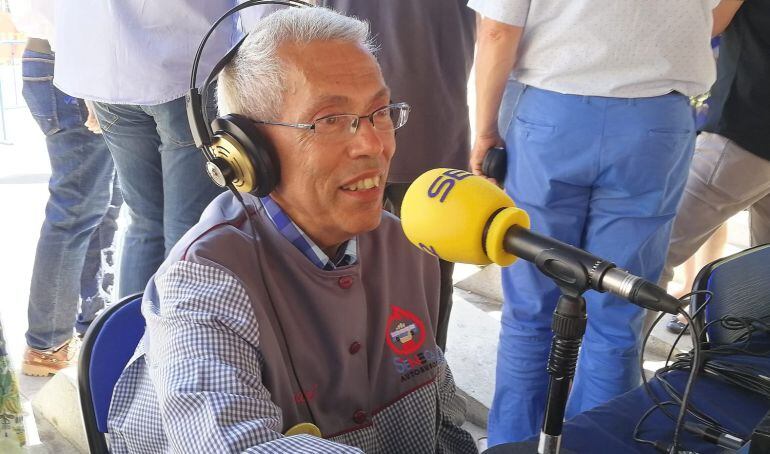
249, 153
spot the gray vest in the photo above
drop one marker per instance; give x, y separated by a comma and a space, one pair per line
360, 337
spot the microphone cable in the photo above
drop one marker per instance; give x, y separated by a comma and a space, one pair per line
694, 368
707, 358
717, 367
647, 387
683, 402
717, 436
715, 362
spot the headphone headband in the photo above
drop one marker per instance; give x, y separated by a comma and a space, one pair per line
201, 130
230, 12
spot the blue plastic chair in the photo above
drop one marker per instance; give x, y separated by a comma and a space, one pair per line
740, 284
107, 346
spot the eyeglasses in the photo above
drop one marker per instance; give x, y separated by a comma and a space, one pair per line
388, 118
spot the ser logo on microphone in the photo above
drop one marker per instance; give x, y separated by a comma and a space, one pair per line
444, 183
441, 187
429, 249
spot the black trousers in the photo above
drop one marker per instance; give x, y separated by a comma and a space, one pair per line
394, 195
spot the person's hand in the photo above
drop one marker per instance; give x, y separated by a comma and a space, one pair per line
480, 147
92, 123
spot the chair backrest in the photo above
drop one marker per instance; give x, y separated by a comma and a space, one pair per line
107, 346
740, 284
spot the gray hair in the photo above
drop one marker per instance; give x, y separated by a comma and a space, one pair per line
252, 83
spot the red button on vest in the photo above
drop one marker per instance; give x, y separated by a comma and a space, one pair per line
359, 417
345, 282
354, 348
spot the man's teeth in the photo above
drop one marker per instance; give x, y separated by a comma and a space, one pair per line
366, 183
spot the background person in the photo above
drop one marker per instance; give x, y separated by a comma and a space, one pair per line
72, 274
730, 171
598, 152
138, 58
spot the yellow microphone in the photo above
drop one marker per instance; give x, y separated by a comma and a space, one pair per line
461, 217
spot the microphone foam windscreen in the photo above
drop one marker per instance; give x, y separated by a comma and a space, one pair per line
446, 212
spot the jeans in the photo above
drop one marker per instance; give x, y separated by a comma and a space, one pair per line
605, 175
162, 175
97, 281
79, 217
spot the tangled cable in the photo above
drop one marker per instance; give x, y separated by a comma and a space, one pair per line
711, 360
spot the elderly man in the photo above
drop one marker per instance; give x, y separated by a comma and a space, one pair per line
307, 305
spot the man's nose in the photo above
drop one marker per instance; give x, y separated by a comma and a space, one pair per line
367, 140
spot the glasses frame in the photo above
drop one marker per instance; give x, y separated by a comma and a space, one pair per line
370, 117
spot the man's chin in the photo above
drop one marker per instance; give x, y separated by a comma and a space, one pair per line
365, 224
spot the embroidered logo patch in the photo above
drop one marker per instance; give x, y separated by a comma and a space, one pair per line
405, 331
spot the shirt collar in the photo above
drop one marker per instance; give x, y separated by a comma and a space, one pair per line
306, 246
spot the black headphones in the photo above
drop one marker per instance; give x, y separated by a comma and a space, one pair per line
238, 156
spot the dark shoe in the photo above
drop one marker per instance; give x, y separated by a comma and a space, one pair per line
675, 326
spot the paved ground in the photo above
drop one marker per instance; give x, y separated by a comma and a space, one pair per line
23, 179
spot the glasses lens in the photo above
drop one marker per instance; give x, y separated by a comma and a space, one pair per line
335, 124
387, 118
390, 117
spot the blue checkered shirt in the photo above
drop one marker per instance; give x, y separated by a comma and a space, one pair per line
301, 241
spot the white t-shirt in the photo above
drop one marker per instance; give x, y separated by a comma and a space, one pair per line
617, 48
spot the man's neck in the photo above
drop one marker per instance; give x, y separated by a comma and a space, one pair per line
331, 251
329, 246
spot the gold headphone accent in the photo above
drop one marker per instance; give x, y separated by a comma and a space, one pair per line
225, 147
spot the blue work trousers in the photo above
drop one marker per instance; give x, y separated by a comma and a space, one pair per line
605, 175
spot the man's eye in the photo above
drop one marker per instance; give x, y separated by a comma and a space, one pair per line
329, 121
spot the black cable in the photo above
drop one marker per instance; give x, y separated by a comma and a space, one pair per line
684, 297
745, 376
646, 384
709, 364
674, 395
648, 389
656, 444
739, 375
696, 361
703, 417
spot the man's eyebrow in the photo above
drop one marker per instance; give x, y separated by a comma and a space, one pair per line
381, 93
327, 99
339, 99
